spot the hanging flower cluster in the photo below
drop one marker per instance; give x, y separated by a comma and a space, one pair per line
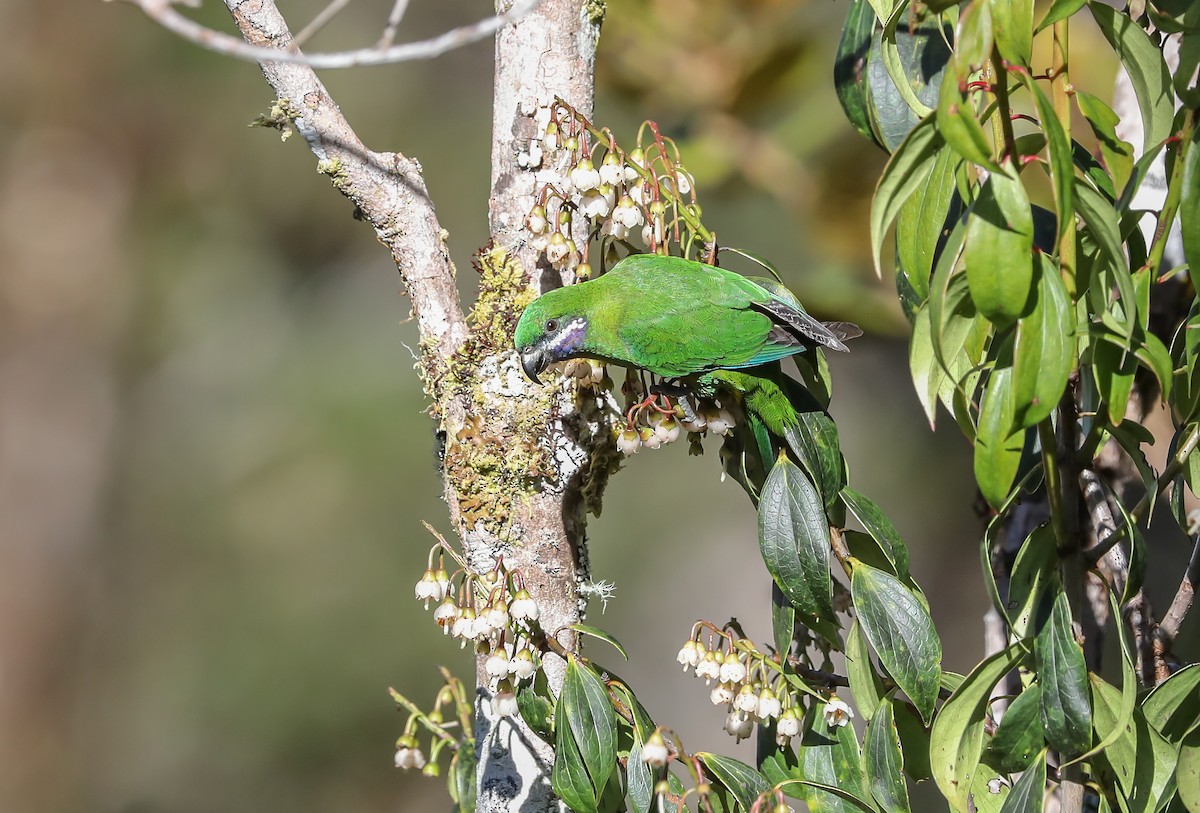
448, 726
750, 684
610, 196
493, 611
652, 421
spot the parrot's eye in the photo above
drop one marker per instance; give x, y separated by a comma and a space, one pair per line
551, 325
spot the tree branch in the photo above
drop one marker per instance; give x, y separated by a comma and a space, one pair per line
387, 188
163, 13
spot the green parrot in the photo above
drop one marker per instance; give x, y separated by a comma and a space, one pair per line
688, 322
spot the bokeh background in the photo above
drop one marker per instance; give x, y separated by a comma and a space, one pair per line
213, 457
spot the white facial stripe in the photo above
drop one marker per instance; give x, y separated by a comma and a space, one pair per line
569, 337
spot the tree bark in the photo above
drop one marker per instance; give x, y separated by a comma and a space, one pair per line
522, 463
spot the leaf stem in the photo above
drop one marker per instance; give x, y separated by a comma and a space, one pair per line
1003, 129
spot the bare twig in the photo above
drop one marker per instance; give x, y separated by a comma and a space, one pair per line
163, 13
1184, 597
318, 22
386, 188
393, 22
1173, 468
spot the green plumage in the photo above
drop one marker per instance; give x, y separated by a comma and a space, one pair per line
715, 330
672, 317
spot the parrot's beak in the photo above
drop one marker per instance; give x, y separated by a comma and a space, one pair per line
532, 363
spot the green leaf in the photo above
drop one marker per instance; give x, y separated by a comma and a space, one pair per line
461, 780
1027, 794
1187, 772
793, 535
925, 221
1062, 166
1044, 350
900, 630
1034, 569
850, 67
1066, 712
1101, 218
783, 619
908, 168
926, 370
599, 634
1189, 208
896, 67
871, 517
865, 683
830, 757
585, 738
997, 447
639, 778
999, 249
814, 439
1114, 369
1118, 154
1019, 738
1014, 30
974, 44
956, 741
745, 783
958, 124
1139, 759
1148, 72
1173, 707
883, 761
1129, 686
535, 706
1059, 10
914, 742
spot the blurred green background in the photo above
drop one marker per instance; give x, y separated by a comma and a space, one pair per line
213, 457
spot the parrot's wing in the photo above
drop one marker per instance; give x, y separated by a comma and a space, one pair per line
788, 320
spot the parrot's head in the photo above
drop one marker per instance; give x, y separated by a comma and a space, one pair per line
553, 328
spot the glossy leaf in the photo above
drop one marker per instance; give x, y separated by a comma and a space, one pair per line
865, 683
1148, 72
600, 635
901, 632
999, 249
793, 535
905, 172
1027, 794
1062, 166
1173, 707
1129, 687
1118, 154
1035, 568
585, 738
742, 781
830, 756
850, 67
1139, 759
1062, 671
956, 742
1013, 20
974, 44
1060, 10
814, 439
1019, 737
1044, 350
1189, 208
959, 125
877, 524
927, 371
997, 446
883, 762
915, 50
1113, 369
924, 222
783, 619
1187, 772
